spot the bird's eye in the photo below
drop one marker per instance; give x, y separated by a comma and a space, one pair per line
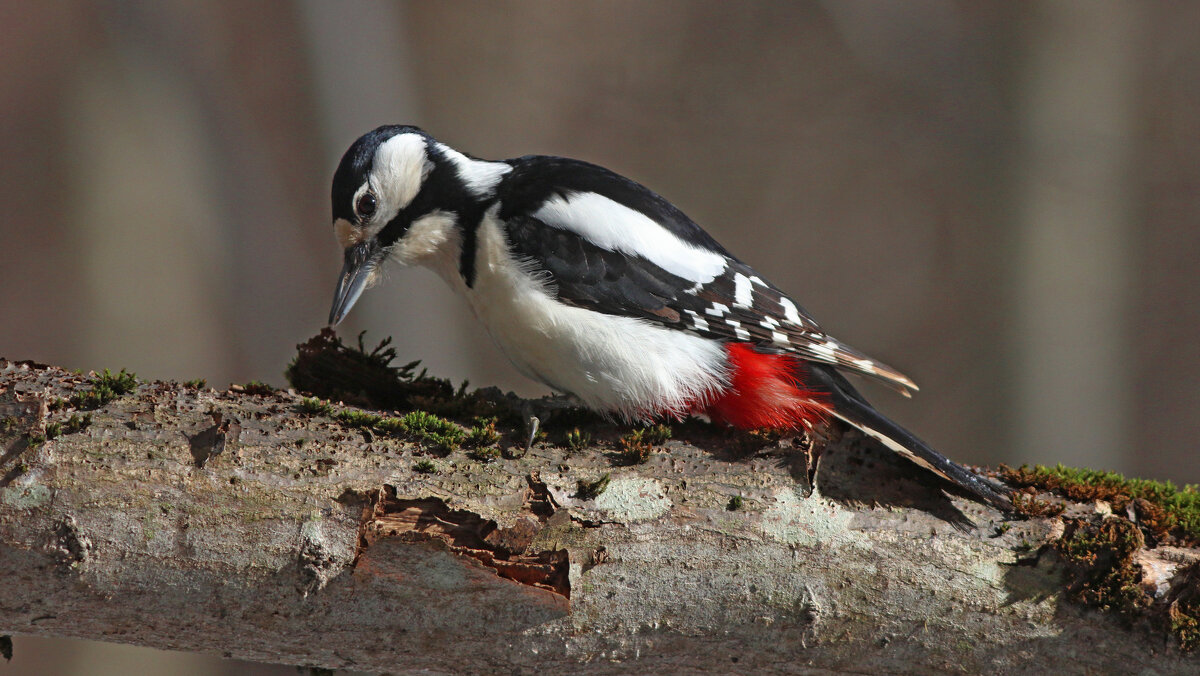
366, 205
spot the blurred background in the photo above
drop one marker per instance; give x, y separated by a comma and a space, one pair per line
998, 198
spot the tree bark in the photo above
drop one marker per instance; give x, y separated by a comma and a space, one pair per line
235, 524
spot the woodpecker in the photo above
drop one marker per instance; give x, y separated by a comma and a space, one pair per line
601, 289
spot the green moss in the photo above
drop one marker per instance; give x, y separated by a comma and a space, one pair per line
1183, 607
391, 427
1186, 628
431, 431
424, 466
9, 424
484, 454
197, 384
76, 423
314, 406
656, 435
358, 419
483, 433
259, 388
635, 448
1030, 506
105, 387
590, 490
577, 441
735, 503
1168, 512
1100, 567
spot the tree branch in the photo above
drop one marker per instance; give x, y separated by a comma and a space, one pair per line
238, 524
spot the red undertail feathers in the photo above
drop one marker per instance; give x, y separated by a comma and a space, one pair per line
765, 391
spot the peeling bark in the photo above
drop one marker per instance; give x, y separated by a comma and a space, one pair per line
505, 550
230, 523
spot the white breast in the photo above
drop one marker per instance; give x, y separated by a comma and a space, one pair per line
619, 364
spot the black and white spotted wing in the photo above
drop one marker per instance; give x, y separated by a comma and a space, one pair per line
576, 222
740, 304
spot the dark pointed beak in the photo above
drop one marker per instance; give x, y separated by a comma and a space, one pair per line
360, 262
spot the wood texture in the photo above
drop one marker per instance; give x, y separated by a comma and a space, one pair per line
230, 523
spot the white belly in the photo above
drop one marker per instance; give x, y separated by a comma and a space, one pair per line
619, 364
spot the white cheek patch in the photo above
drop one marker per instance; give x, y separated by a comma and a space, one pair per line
611, 225
400, 166
427, 236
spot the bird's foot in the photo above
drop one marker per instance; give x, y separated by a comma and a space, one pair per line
534, 412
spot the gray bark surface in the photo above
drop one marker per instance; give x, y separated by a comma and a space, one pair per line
232, 524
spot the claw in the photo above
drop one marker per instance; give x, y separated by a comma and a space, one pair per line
532, 423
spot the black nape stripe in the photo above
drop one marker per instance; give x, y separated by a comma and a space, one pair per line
469, 223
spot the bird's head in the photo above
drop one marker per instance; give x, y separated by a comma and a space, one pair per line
399, 194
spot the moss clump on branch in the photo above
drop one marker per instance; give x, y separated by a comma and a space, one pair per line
1183, 608
636, 447
575, 440
76, 423
1102, 572
437, 433
430, 430
590, 490
314, 406
326, 367
1099, 558
1030, 506
257, 388
104, 387
483, 433
1170, 514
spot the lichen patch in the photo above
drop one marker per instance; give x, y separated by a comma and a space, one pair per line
630, 499
807, 521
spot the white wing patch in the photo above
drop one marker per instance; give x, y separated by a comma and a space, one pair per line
789, 311
613, 226
743, 293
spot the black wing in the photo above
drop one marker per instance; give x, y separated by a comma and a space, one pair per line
736, 304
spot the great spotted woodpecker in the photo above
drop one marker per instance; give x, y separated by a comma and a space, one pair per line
603, 290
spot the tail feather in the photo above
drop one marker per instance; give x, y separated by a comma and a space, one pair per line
848, 405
